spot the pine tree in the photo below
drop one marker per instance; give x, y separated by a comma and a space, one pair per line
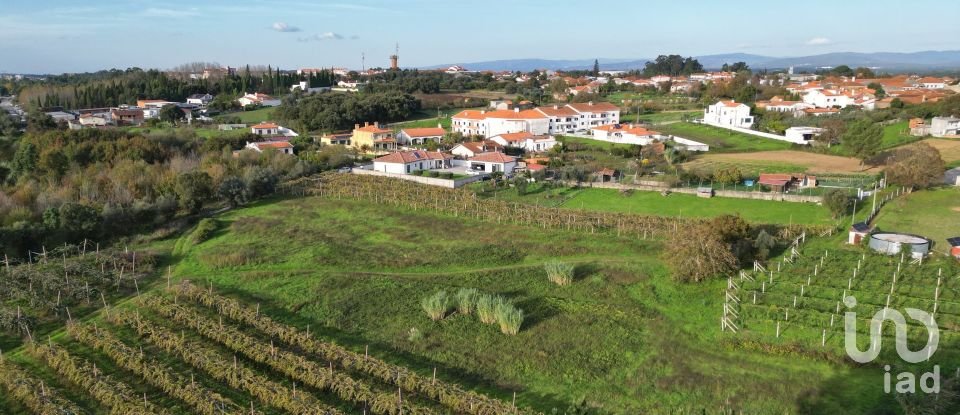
596, 67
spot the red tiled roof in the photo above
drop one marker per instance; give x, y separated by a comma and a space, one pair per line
557, 112
424, 132
265, 126
273, 144
404, 157
373, 128
493, 157
514, 137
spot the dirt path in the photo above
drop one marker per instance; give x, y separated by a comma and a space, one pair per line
818, 163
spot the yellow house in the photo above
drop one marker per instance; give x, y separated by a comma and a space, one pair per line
373, 138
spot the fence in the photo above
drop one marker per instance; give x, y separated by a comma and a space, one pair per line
432, 181
659, 187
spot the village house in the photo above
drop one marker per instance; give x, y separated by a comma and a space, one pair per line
262, 100
778, 104
562, 119
492, 163
525, 141
728, 114
802, 135
266, 128
93, 120
129, 116
281, 146
153, 103
472, 148
200, 99
420, 136
341, 139
406, 162
373, 137
624, 134
945, 127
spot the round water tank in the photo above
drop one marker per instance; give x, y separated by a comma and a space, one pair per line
894, 243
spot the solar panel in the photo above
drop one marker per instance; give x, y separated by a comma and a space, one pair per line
955, 241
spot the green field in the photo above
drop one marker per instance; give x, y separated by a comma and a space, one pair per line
660, 117
934, 214
623, 336
897, 134
722, 140
254, 116
676, 204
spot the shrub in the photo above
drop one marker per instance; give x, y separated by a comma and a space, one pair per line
417, 173
436, 305
467, 300
204, 230
487, 308
446, 175
432, 173
509, 317
559, 273
414, 335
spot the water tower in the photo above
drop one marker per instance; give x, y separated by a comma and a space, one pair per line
395, 59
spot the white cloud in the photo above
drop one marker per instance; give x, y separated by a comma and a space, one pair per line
819, 41
323, 36
283, 27
158, 12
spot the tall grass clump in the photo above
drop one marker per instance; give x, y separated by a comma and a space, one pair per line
559, 273
509, 317
467, 300
487, 308
204, 230
436, 305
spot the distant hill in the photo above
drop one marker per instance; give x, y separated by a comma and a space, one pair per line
890, 61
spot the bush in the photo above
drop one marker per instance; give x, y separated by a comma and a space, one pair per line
509, 317
559, 273
417, 173
446, 175
487, 308
204, 230
432, 173
838, 202
467, 300
436, 306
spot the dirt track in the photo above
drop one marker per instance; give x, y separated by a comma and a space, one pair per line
817, 163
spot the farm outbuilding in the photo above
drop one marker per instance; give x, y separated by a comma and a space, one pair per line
858, 231
894, 243
954, 246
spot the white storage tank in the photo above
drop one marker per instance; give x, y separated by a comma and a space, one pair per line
893, 243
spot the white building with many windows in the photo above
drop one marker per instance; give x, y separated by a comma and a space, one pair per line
538, 121
728, 114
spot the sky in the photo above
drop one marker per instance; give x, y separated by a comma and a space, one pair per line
56, 36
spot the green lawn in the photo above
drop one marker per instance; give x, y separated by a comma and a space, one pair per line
897, 134
934, 214
254, 116
722, 140
623, 337
685, 205
660, 117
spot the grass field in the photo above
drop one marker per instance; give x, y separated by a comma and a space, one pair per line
660, 117
254, 116
623, 336
934, 214
722, 140
897, 134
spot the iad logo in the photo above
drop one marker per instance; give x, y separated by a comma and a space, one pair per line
906, 381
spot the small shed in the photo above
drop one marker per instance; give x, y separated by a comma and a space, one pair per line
858, 231
706, 192
954, 246
606, 175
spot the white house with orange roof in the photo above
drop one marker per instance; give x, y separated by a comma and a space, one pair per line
492, 163
406, 162
258, 99
728, 114
930, 82
472, 148
624, 134
270, 129
592, 114
562, 119
420, 136
526, 141
281, 146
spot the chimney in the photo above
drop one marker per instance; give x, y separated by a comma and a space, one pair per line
590, 103
439, 125
483, 112
356, 126
516, 109
556, 107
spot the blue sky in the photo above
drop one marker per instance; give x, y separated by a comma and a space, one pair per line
52, 36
